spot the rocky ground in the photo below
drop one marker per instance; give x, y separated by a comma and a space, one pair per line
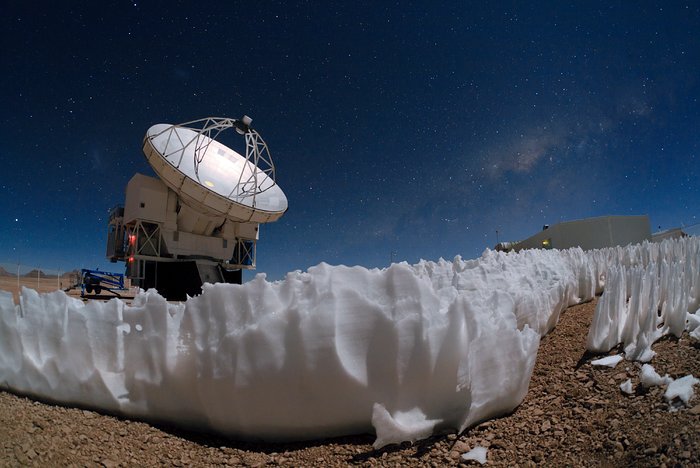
574, 415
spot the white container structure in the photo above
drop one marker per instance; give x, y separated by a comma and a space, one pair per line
199, 221
590, 233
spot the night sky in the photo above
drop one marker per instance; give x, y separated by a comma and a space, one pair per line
399, 131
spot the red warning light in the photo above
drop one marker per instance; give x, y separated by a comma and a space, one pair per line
131, 259
132, 239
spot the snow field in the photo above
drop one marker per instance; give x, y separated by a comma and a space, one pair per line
404, 352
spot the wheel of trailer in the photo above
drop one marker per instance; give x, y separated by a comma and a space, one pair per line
98, 289
88, 288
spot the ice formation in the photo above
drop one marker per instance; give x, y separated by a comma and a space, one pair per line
608, 361
648, 377
681, 388
650, 290
404, 351
626, 387
477, 454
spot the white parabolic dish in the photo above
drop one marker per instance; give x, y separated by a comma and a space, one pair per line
211, 177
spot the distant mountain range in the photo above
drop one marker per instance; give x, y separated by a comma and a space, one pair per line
41, 274
37, 273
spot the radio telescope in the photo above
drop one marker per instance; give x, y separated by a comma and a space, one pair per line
198, 222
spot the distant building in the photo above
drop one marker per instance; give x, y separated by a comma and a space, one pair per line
505, 246
673, 233
589, 233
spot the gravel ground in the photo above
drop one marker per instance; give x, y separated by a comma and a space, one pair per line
574, 415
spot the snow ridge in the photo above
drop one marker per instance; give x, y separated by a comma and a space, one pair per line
403, 352
651, 290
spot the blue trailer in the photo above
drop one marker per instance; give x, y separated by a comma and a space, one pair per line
96, 281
